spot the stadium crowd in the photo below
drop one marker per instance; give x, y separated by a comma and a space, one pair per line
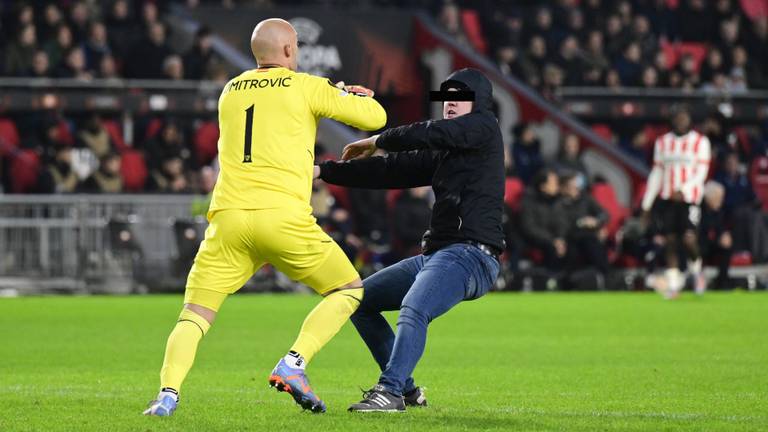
557, 215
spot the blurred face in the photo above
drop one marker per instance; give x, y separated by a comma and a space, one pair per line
595, 41
650, 77
52, 14
108, 68
661, 60
171, 133
453, 109
450, 17
64, 37
205, 43
26, 15
571, 145
538, 47
715, 198
641, 25
64, 155
76, 59
120, 9
149, 12
27, 37
739, 56
99, 33
544, 18
715, 59
79, 13
571, 188
40, 63
551, 186
174, 68
633, 53
157, 33
112, 165
613, 25
682, 122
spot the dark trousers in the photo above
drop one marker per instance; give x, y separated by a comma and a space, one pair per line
422, 288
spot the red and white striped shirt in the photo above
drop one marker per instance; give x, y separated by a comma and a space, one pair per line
680, 163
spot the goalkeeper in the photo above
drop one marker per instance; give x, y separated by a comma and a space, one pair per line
260, 211
462, 158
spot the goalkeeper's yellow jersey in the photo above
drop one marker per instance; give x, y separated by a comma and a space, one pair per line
268, 121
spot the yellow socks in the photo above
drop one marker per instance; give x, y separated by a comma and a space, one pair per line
181, 348
326, 320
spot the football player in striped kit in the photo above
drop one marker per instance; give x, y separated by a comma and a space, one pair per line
673, 196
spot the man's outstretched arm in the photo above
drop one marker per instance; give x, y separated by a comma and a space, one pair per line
393, 171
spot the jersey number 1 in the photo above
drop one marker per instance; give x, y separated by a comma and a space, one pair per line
248, 134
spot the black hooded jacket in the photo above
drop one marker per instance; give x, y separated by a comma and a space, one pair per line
461, 158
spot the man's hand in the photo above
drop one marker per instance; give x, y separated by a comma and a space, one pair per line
316, 172
645, 219
359, 149
560, 247
355, 89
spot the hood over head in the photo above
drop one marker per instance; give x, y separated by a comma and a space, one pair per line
471, 79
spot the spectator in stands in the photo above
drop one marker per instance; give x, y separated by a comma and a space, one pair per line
173, 68
646, 40
526, 152
369, 213
508, 60
108, 68
714, 233
107, 178
636, 146
569, 62
52, 19
79, 20
569, 161
334, 219
58, 176
197, 61
756, 41
690, 75
410, 218
554, 77
59, 47
150, 14
650, 78
738, 189
122, 29
41, 67
629, 66
168, 143
74, 66
96, 47
616, 37
534, 61
170, 177
595, 61
662, 68
147, 56
450, 20
18, 56
696, 21
743, 73
585, 240
94, 136
541, 224
542, 27
712, 65
729, 38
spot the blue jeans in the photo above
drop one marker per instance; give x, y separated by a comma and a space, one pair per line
423, 288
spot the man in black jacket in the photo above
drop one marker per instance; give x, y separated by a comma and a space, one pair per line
542, 225
462, 158
585, 218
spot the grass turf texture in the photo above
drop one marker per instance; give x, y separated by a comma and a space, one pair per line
505, 362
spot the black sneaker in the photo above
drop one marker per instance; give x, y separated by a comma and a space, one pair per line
378, 399
415, 398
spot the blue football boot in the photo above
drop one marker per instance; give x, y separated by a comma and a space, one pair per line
164, 405
293, 380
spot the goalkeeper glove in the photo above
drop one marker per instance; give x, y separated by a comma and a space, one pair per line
357, 90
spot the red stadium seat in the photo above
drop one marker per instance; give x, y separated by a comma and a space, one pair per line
392, 197
513, 192
115, 134
9, 137
754, 9
603, 131
65, 133
758, 175
206, 141
470, 20
604, 194
24, 171
741, 259
134, 171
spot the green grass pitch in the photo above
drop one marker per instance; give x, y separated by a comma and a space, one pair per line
620, 361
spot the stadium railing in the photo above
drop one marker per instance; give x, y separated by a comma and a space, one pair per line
90, 243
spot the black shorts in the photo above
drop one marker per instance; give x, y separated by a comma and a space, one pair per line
675, 217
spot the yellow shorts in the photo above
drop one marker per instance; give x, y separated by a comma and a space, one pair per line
238, 242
